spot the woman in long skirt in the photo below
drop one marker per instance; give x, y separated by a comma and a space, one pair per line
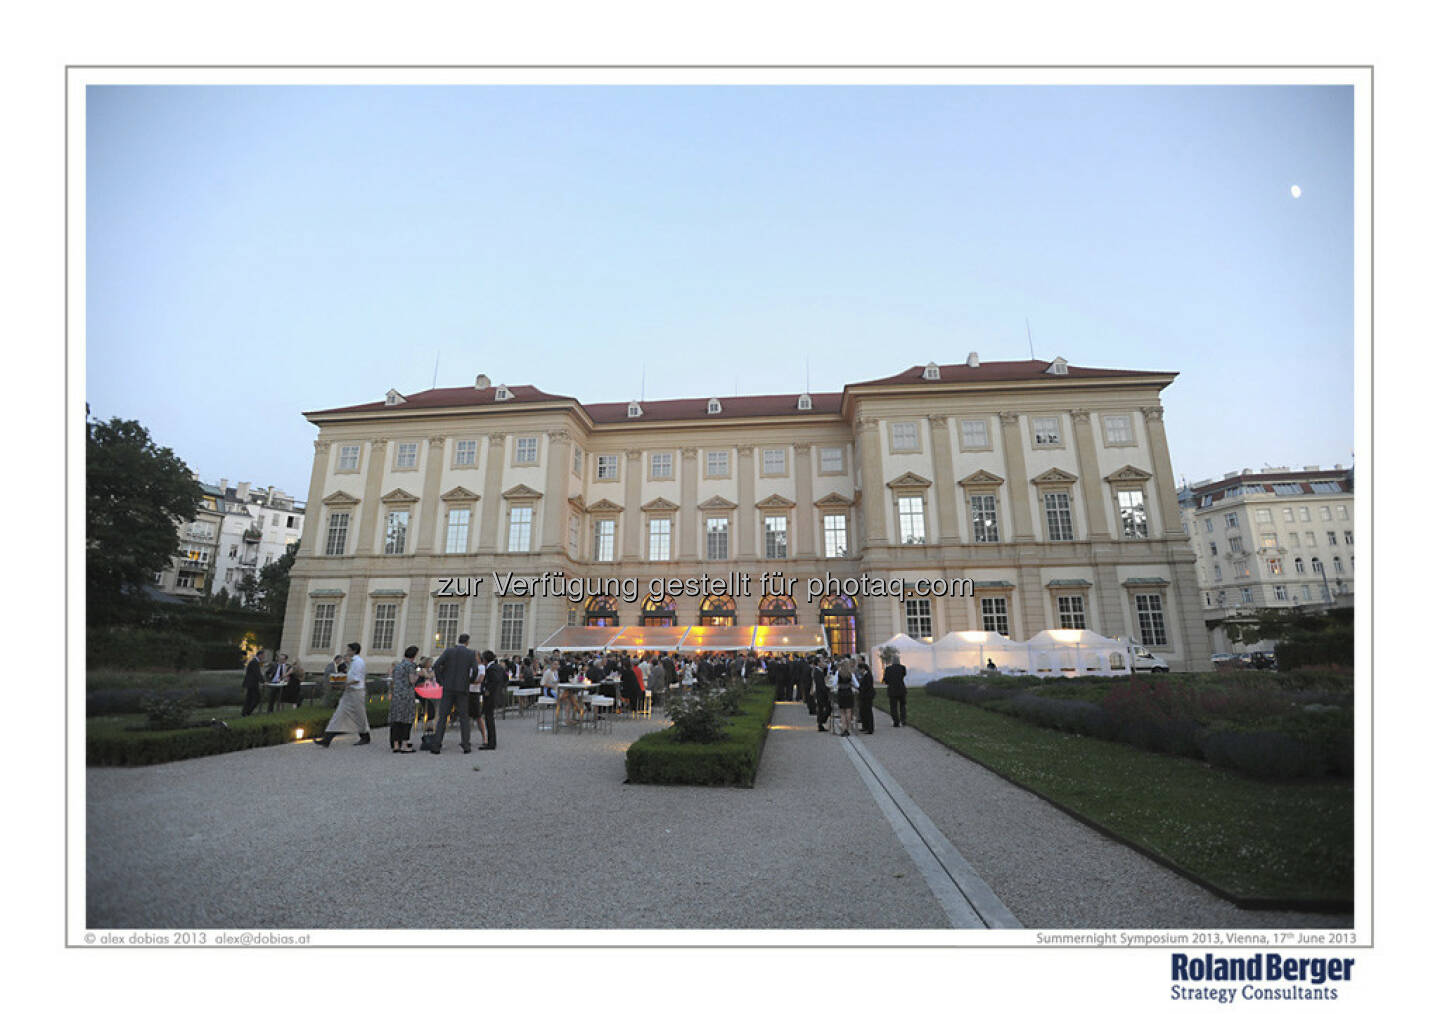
402, 701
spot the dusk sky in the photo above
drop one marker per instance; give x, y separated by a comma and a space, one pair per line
256, 252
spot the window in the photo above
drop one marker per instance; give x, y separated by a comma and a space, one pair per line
974, 434
984, 522
713, 407
772, 461
912, 520
1299, 564
1349, 538
520, 521
1305, 593
1281, 593
717, 538
1047, 431
1293, 538
1133, 523
1262, 515
804, 404
512, 626
1309, 538
607, 466
995, 615
1152, 619
832, 459
397, 523
1276, 566
717, 464
322, 627
186, 580
1342, 513
634, 411
1269, 540
1324, 487
349, 460
605, 540
1057, 517
1324, 513
1315, 564
1339, 567
917, 618
1071, 611
1232, 520
290, 522
1240, 568
1213, 550
447, 625
466, 452
457, 530
775, 548
527, 450
1304, 513
1209, 525
1236, 546
1331, 537
1118, 430
382, 634
406, 455
577, 462
659, 538
274, 520
335, 535
1253, 487
1247, 596
1218, 575
662, 465
1288, 514
1287, 488
837, 539
904, 436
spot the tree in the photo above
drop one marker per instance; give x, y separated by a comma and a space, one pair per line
135, 495
274, 584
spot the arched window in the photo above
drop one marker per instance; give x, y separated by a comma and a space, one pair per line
777, 611
657, 612
600, 612
717, 611
837, 615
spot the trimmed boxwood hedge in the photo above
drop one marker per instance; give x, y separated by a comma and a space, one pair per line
124, 748
658, 759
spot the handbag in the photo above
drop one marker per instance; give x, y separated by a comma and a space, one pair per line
429, 689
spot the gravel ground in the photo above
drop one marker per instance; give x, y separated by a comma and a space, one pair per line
546, 835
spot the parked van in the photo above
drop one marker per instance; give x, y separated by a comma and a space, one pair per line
1142, 661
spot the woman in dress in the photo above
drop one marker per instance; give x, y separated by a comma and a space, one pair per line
845, 687
403, 675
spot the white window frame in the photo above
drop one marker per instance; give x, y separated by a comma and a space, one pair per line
777, 536
1119, 430
457, 536
348, 460
988, 508
322, 626
660, 530
911, 527
773, 462
397, 530
662, 465
382, 627
904, 437
337, 527
527, 451
467, 454
1059, 522
717, 464
512, 626
836, 530
407, 456
918, 619
607, 467
1152, 605
1046, 432
717, 538
520, 528
969, 439
838, 455
604, 540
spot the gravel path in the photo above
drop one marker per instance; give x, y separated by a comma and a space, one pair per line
546, 835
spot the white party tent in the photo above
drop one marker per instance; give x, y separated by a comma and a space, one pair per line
917, 657
967, 652
1076, 653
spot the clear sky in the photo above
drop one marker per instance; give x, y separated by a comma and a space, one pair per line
256, 252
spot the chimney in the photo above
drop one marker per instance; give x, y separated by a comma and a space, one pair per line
242, 492
1247, 471
973, 360
481, 382
224, 484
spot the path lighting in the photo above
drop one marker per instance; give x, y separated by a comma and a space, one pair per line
299, 733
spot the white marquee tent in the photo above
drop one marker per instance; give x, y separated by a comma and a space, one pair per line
970, 652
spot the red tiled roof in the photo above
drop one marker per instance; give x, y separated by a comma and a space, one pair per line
457, 397
1025, 369
740, 406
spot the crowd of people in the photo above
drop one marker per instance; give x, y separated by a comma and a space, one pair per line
469, 685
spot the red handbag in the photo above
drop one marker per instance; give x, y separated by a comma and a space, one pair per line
429, 689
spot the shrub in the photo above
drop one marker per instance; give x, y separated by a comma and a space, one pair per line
696, 717
1327, 647
661, 758
167, 711
140, 648
221, 655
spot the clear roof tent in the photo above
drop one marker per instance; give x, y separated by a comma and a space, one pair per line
578, 639
963, 652
796, 637
649, 638
1078, 652
718, 639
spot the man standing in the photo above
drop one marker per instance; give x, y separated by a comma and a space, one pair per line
454, 669
894, 678
866, 698
350, 715
279, 673
821, 694
495, 679
254, 672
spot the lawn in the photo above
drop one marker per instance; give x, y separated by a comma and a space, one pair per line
1256, 841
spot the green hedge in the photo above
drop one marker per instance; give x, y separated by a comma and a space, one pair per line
110, 747
657, 759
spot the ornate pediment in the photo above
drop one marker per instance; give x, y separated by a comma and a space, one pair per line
834, 500
578, 502
660, 504
1055, 477
1128, 473
460, 493
340, 498
775, 502
603, 506
399, 496
980, 477
718, 503
522, 492
909, 481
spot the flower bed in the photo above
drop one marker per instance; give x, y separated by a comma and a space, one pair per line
660, 758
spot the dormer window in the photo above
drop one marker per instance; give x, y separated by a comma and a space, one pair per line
634, 411
932, 372
804, 404
973, 360
394, 397
713, 408
1058, 368
502, 393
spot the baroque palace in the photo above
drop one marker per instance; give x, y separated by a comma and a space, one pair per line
1005, 496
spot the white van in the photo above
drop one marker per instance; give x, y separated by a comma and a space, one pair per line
1142, 661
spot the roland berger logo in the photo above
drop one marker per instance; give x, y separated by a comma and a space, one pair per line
1258, 977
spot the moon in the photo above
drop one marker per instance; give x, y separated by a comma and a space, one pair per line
1295, 192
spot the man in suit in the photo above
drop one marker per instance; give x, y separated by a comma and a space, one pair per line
254, 673
894, 678
454, 669
496, 677
866, 698
278, 673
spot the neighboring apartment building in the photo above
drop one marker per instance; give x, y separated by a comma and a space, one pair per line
1274, 539
1049, 486
236, 530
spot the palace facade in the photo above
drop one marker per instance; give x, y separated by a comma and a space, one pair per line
1006, 496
